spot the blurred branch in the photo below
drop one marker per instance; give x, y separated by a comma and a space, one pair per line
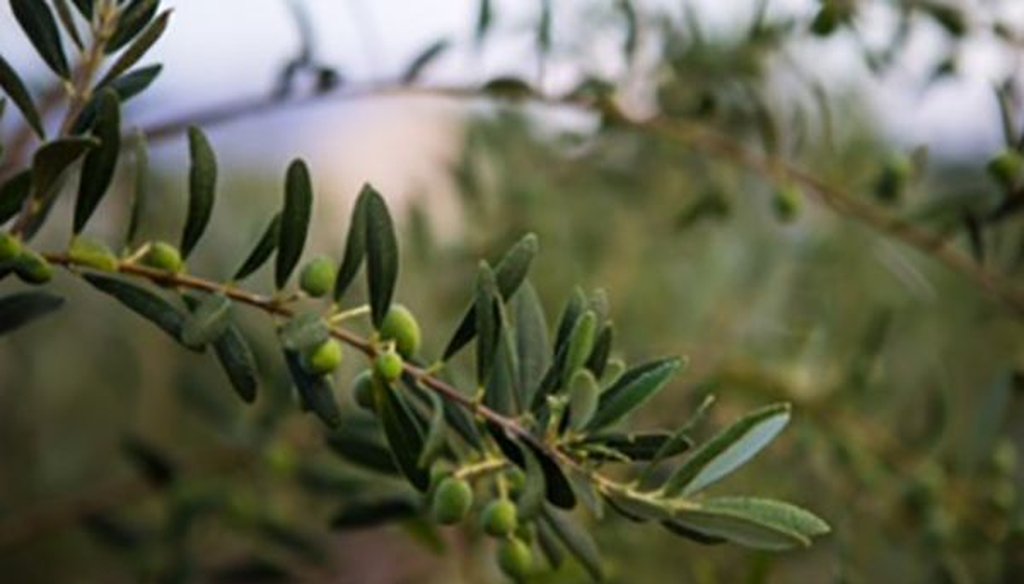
693, 134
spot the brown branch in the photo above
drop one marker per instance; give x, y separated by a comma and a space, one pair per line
695, 135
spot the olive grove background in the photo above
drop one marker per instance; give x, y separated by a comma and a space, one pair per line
680, 200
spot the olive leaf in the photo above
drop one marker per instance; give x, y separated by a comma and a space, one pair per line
100, 162
264, 248
37, 21
295, 216
13, 194
134, 82
484, 18
202, 184
632, 390
355, 244
85, 7
436, 440
381, 257
21, 308
207, 322
531, 336
581, 343
531, 501
53, 158
728, 450
67, 22
138, 48
354, 442
315, 391
142, 302
238, 362
576, 540
134, 17
423, 60
403, 433
598, 359
486, 323
140, 190
304, 331
15, 88
509, 274
752, 522
641, 446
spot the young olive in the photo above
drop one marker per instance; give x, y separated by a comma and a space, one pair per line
388, 366
32, 268
515, 558
401, 327
499, 518
362, 390
452, 501
93, 253
324, 359
10, 247
317, 276
163, 256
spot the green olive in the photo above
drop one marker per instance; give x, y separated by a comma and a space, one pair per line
163, 256
362, 390
10, 247
1006, 168
388, 366
323, 359
516, 481
499, 518
786, 203
515, 558
401, 327
32, 268
452, 501
317, 277
93, 253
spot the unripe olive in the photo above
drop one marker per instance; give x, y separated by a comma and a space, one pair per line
32, 268
93, 253
401, 327
388, 366
786, 203
452, 501
317, 277
163, 256
893, 179
362, 390
516, 481
499, 518
323, 359
10, 247
1006, 168
515, 558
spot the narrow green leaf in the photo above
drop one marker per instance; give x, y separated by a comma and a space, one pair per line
202, 185
135, 82
509, 88
374, 513
549, 545
67, 22
138, 48
532, 345
238, 362
355, 444
208, 322
639, 507
571, 313
100, 162
142, 302
752, 522
140, 153
15, 88
13, 194
37, 21
53, 158
355, 244
509, 274
304, 331
577, 541
295, 216
502, 393
435, 442
84, 7
728, 450
583, 399
423, 60
558, 489
134, 17
264, 248
21, 308
486, 323
315, 391
381, 257
531, 501
484, 18
581, 343
689, 532
632, 390
403, 434
642, 445
598, 359
586, 493
149, 461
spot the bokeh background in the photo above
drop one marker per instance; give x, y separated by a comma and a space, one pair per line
903, 374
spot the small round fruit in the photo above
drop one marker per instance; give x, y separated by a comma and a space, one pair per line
452, 501
499, 518
163, 256
362, 390
515, 558
516, 481
93, 253
324, 359
786, 203
32, 268
317, 277
1006, 168
388, 366
10, 247
401, 327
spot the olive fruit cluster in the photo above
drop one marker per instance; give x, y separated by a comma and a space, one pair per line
451, 503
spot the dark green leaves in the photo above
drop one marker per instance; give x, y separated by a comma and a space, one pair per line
138, 48
53, 158
142, 302
435, 442
13, 194
236, 358
37, 21
264, 247
635, 387
422, 60
487, 322
202, 183
355, 244
757, 523
17, 310
403, 433
298, 208
728, 450
134, 16
315, 391
531, 336
577, 541
381, 257
509, 274
99, 165
208, 321
303, 332
15, 88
